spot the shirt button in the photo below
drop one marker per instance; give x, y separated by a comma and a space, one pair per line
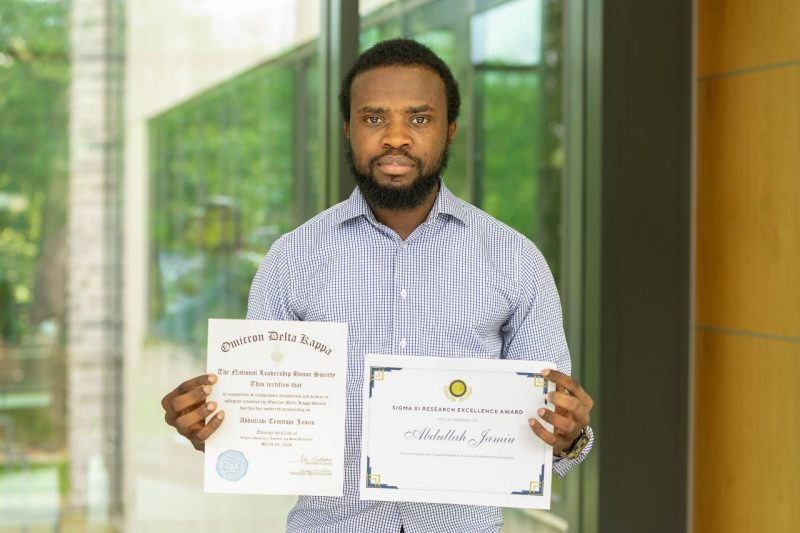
405, 245
403, 294
402, 343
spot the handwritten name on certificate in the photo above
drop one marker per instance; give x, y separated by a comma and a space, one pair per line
446, 430
282, 387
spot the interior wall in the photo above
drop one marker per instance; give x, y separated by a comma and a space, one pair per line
747, 317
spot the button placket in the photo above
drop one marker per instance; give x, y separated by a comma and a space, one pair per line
402, 302
399, 321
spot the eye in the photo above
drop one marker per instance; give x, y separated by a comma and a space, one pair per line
419, 120
373, 120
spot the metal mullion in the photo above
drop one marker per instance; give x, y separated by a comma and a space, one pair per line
338, 48
478, 147
572, 244
300, 166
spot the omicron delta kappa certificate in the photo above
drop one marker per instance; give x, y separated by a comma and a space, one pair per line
445, 430
282, 387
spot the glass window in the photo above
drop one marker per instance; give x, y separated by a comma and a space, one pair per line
232, 170
34, 83
495, 41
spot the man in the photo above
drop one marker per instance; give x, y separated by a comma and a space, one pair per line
413, 270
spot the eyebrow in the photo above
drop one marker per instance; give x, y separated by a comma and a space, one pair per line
410, 109
419, 109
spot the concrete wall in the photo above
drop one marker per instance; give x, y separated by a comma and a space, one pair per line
747, 363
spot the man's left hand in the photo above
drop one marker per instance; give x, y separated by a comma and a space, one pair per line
572, 412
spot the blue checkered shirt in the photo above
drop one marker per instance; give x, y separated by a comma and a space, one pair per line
462, 284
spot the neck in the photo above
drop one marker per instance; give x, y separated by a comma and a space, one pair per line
405, 221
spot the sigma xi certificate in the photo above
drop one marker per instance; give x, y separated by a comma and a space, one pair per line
447, 430
282, 387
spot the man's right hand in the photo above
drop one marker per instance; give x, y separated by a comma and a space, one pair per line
186, 410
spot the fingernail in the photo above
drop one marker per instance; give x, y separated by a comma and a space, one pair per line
541, 411
212, 378
206, 390
211, 406
546, 372
220, 415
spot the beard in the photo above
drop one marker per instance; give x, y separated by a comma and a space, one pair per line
397, 198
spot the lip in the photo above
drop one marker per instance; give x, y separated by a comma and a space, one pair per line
396, 160
395, 164
395, 170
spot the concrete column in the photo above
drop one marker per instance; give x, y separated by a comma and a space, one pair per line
94, 321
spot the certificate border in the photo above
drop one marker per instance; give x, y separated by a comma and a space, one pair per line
372, 481
334, 444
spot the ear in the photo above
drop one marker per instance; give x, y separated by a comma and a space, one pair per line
451, 131
346, 127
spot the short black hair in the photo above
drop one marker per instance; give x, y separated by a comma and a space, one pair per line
407, 53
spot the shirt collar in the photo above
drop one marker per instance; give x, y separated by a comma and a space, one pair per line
446, 204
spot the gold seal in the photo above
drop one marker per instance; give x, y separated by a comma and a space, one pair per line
458, 388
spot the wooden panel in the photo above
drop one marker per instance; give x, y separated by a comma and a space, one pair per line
748, 202
747, 426
738, 34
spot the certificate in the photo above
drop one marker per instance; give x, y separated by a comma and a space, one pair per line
446, 430
282, 387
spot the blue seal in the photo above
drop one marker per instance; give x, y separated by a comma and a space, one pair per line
231, 465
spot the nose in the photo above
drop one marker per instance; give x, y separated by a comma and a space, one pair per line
396, 135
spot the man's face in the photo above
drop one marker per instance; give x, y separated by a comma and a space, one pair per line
398, 135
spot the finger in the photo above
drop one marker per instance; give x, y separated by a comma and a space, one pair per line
570, 384
563, 425
547, 436
210, 427
186, 386
191, 399
564, 400
571, 406
188, 423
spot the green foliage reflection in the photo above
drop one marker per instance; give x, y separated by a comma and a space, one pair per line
34, 78
232, 170
34, 83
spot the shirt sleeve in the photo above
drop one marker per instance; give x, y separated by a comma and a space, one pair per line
535, 330
270, 292
562, 466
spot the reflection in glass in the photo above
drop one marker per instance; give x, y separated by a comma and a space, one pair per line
226, 184
34, 81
